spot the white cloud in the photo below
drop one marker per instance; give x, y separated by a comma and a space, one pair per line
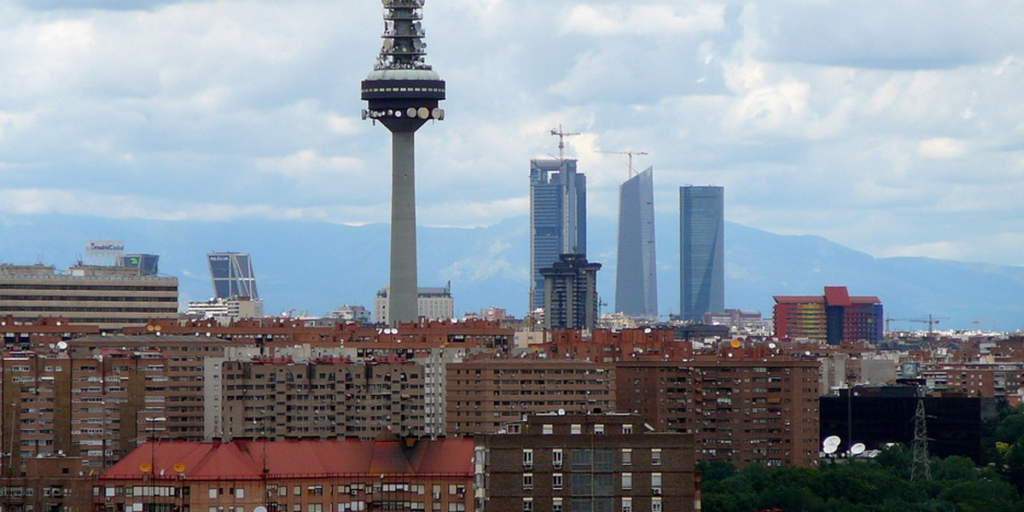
942, 148
651, 20
308, 165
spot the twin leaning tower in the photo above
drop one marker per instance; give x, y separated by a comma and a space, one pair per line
403, 93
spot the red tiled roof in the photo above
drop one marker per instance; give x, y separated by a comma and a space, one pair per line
244, 459
799, 299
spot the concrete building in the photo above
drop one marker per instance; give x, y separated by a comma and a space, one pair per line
388, 473
636, 269
834, 317
483, 395
702, 251
232, 275
226, 310
573, 462
349, 313
109, 297
570, 293
403, 92
322, 398
433, 304
558, 218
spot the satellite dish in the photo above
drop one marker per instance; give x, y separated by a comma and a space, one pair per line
178, 467
261, 508
647, 330
830, 449
145, 467
388, 44
836, 440
561, 412
736, 344
772, 346
858, 449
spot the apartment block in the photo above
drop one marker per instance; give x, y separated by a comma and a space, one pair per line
485, 394
579, 462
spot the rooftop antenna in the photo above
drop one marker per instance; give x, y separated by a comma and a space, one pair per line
561, 140
630, 153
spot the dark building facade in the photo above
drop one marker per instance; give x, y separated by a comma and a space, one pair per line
702, 251
636, 272
232, 275
558, 218
955, 424
570, 293
585, 463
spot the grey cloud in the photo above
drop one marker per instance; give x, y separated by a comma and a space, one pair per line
106, 5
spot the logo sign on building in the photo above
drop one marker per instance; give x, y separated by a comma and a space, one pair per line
105, 247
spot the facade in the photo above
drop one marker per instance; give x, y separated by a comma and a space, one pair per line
702, 251
835, 317
636, 269
109, 297
47, 484
558, 218
433, 304
576, 462
389, 473
484, 395
349, 313
226, 310
232, 275
760, 410
147, 264
323, 398
570, 293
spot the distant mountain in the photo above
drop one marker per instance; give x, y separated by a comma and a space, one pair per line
316, 267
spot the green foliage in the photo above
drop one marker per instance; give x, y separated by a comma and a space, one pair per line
879, 485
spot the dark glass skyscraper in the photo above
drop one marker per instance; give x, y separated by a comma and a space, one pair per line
636, 276
232, 275
701, 251
558, 218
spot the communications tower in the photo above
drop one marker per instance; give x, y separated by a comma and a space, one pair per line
403, 93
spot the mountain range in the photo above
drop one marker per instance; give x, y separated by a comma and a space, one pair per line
316, 266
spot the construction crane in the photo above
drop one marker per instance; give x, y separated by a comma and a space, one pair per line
562, 135
932, 321
630, 154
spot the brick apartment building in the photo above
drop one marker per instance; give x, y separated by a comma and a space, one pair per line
48, 484
835, 317
579, 462
389, 473
740, 409
321, 398
485, 394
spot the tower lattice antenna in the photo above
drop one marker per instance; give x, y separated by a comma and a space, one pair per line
630, 154
562, 135
921, 466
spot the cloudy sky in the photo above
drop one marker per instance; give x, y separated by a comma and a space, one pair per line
896, 128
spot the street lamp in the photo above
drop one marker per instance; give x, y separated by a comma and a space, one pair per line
151, 430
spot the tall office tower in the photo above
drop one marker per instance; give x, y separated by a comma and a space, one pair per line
702, 251
570, 293
558, 218
232, 275
403, 92
636, 276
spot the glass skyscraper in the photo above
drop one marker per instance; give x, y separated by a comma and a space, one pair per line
558, 218
636, 273
702, 251
232, 275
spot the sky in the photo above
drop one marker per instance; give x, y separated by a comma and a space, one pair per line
895, 128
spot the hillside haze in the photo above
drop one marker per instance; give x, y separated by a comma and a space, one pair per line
315, 267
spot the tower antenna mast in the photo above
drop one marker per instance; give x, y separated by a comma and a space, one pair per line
562, 135
630, 154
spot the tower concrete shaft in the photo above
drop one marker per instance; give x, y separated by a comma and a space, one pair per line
403, 296
403, 93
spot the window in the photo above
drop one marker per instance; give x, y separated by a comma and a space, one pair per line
556, 458
556, 505
599, 429
627, 429
282, 491
527, 458
656, 483
548, 429
656, 505
315, 507
527, 504
656, 456
556, 481
576, 429
297, 491
627, 481
239, 493
627, 457
213, 494
527, 481
627, 504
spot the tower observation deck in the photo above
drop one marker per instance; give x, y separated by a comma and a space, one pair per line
403, 93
